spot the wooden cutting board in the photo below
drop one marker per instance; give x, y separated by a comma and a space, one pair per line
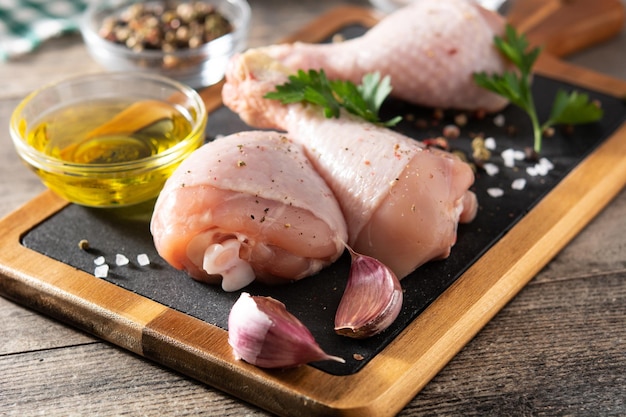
417, 353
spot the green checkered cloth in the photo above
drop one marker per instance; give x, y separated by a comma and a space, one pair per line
25, 24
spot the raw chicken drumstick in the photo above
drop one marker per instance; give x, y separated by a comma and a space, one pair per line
402, 201
430, 49
246, 206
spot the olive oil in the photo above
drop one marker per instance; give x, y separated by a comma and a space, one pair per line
66, 134
109, 156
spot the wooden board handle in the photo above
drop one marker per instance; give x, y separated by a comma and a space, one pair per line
564, 27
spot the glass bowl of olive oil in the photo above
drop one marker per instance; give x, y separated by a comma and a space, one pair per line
108, 140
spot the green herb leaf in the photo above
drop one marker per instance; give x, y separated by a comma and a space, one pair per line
507, 85
374, 90
573, 108
314, 87
514, 47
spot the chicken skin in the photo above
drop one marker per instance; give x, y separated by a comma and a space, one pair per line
248, 206
430, 49
402, 201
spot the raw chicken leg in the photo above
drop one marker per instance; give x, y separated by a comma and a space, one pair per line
244, 206
430, 49
402, 201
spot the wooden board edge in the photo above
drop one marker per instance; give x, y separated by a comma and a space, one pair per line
64, 292
477, 296
332, 21
553, 67
458, 315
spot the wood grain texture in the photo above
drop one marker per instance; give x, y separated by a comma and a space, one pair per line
564, 27
555, 349
554, 344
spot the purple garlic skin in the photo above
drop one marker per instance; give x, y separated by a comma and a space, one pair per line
371, 301
263, 333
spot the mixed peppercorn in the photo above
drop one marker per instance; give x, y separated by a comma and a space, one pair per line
166, 26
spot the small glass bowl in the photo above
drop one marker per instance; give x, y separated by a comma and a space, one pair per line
388, 6
197, 67
124, 165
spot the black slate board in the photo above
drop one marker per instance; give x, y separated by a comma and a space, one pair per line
314, 300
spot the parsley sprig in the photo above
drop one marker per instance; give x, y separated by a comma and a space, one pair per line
314, 87
568, 108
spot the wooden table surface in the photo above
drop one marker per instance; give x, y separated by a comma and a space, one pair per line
559, 348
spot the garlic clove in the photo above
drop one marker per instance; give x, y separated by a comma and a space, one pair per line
262, 332
371, 301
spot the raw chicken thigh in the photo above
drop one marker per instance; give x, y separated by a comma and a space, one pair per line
430, 49
402, 201
246, 206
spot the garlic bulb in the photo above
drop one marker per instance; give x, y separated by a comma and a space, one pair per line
372, 299
262, 332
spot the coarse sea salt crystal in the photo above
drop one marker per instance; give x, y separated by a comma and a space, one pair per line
511, 155
121, 260
143, 260
491, 169
495, 192
541, 168
545, 162
519, 184
99, 260
508, 157
490, 143
101, 271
